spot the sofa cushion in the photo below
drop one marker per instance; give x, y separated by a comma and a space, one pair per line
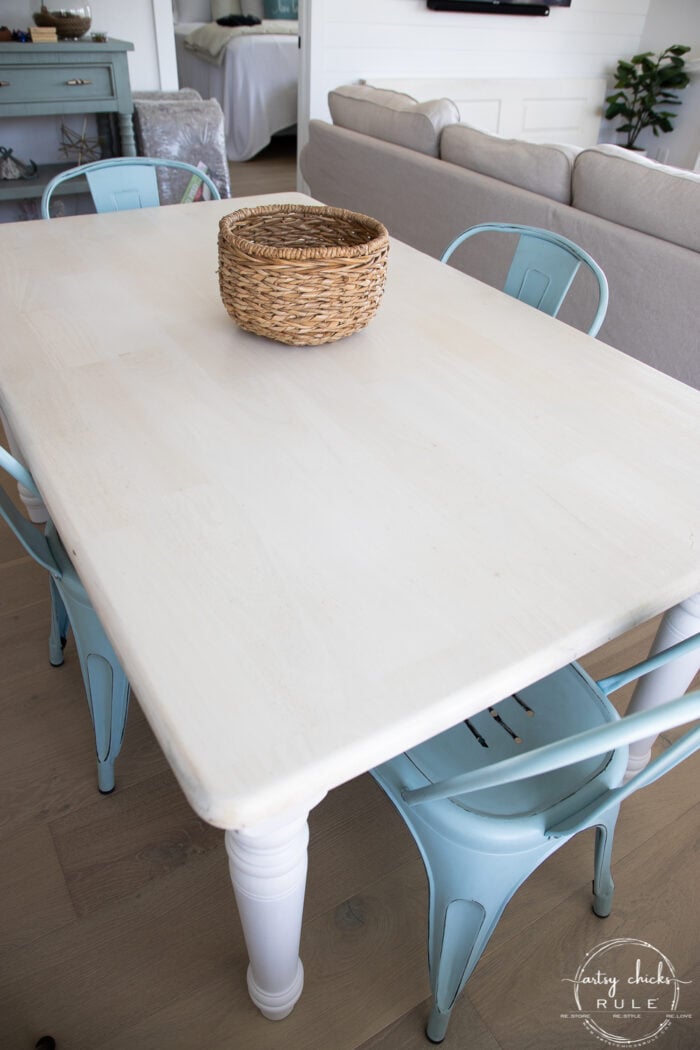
392, 116
543, 168
655, 199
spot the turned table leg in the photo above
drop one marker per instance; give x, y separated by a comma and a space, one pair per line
36, 511
268, 870
669, 681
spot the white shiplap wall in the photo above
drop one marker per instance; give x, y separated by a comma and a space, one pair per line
351, 39
677, 22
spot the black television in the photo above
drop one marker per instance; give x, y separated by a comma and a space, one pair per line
498, 7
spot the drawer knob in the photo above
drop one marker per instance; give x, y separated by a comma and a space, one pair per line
4, 83
77, 82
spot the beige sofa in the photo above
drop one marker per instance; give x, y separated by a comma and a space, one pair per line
428, 177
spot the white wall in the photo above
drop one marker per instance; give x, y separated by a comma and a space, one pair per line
352, 39
676, 22
395, 38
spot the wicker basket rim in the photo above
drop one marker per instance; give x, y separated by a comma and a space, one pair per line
271, 251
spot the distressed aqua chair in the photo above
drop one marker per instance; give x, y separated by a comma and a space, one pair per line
490, 799
542, 269
123, 183
105, 683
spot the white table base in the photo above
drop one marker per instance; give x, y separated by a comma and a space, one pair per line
268, 866
36, 511
667, 682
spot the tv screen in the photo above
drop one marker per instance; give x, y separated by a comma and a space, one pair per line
498, 7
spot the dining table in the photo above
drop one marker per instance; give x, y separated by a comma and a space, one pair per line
309, 559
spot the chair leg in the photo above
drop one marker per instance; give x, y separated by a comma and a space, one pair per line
603, 885
59, 626
466, 927
106, 685
469, 892
108, 696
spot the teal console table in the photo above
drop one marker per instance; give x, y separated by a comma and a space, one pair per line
61, 78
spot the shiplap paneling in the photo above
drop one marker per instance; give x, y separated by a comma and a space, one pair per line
402, 38
550, 109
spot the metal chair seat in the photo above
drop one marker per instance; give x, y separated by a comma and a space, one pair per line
489, 800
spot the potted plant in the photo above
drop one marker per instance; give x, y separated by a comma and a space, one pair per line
644, 83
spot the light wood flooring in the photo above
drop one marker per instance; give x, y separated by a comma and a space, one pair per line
272, 171
118, 929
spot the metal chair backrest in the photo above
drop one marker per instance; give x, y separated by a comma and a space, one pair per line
543, 268
123, 183
592, 742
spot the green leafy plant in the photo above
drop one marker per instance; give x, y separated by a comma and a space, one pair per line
644, 83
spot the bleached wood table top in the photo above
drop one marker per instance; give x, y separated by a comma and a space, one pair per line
309, 559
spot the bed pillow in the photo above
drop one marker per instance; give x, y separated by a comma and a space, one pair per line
281, 8
224, 8
392, 116
256, 8
192, 10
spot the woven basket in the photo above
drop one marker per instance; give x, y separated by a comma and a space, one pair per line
301, 274
67, 27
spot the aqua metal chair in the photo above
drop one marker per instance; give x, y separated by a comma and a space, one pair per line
123, 183
543, 268
105, 683
488, 800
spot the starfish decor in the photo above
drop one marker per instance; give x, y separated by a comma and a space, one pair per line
78, 147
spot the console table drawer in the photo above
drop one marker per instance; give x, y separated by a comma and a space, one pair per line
56, 83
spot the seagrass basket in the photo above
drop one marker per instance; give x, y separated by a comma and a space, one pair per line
301, 274
68, 26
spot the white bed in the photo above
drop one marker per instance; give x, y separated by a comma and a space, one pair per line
256, 86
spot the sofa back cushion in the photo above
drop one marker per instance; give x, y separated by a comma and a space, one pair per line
543, 168
632, 191
392, 116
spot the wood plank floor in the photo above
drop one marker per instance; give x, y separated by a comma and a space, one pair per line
118, 929
272, 171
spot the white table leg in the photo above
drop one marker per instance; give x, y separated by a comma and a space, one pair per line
36, 511
268, 870
667, 682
